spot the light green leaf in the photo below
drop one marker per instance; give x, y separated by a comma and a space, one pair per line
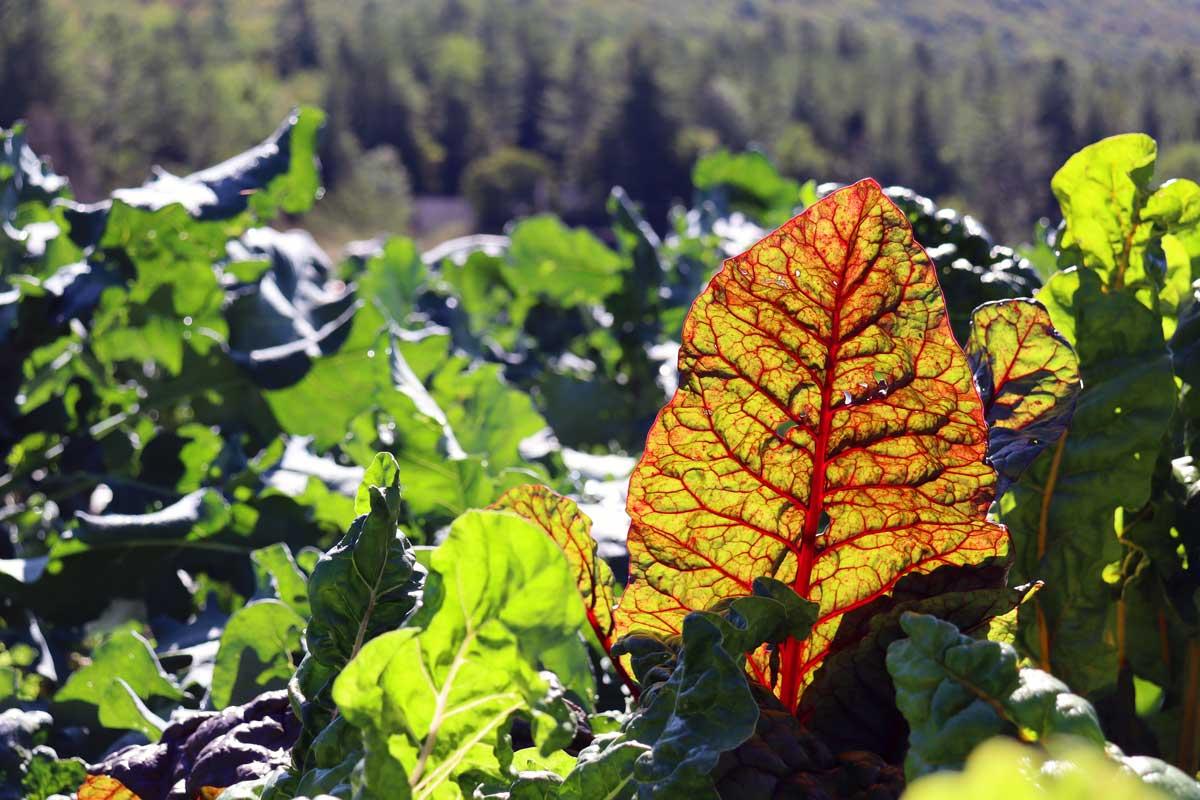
256, 652
123, 673
1101, 190
432, 698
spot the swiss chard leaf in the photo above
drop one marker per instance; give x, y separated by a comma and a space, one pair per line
704, 708
956, 692
826, 432
1061, 509
433, 698
368, 582
571, 530
1028, 377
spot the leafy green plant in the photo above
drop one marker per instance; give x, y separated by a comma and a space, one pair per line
340, 532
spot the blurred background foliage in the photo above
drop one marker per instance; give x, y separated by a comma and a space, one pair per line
451, 115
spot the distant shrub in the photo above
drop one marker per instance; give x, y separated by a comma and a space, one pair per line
506, 184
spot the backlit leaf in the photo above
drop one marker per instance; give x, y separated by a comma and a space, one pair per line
1028, 377
571, 530
835, 324
1061, 510
432, 698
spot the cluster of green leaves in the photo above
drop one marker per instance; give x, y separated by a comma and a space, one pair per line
1106, 516
194, 407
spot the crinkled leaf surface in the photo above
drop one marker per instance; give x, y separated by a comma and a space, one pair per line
851, 703
368, 582
1028, 377
704, 708
1061, 510
956, 692
200, 753
571, 530
432, 699
826, 432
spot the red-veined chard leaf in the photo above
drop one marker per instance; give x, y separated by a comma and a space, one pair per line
826, 432
1028, 377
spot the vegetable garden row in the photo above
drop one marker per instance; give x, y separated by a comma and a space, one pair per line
722, 512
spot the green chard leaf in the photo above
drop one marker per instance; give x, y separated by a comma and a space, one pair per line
1136, 238
956, 692
704, 708
1060, 512
433, 699
113, 689
368, 582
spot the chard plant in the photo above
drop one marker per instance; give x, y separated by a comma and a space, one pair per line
347, 503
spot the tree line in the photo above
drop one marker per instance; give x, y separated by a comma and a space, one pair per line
533, 104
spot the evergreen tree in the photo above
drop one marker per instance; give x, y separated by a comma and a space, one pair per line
297, 46
1055, 111
636, 149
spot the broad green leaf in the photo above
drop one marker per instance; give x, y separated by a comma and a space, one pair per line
826, 433
432, 698
956, 692
123, 673
340, 385
571, 530
1137, 238
1002, 769
1060, 512
1101, 190
1028, 377
256, 650
489, 418
568, 267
